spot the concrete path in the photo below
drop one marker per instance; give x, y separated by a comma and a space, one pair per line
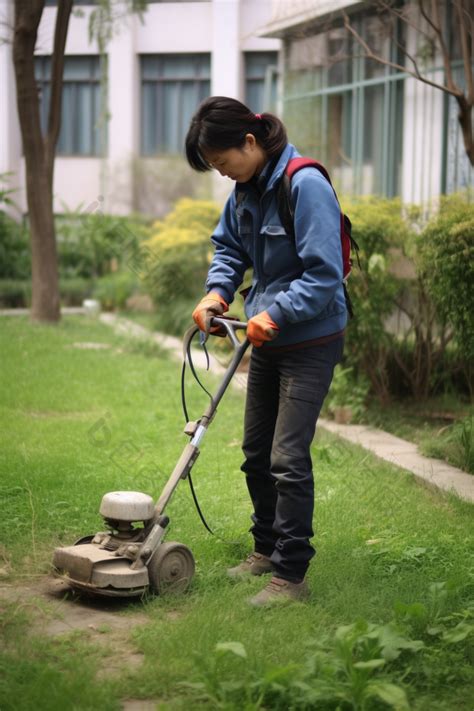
433, 472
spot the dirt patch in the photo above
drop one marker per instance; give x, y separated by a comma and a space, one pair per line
55, 610
58, 610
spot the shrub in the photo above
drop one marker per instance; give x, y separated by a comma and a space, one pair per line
15, 260
15, 293
72, 292
114, 289
92, 244
446, 264
381, 233
178, 256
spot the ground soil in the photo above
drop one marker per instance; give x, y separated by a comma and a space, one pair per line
56, 610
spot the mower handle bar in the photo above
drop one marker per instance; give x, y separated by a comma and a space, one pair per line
231, 326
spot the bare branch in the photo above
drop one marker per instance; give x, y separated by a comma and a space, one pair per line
404, 17
415, 72
436, 25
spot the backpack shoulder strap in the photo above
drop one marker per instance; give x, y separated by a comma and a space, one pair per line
295, 164
285, 207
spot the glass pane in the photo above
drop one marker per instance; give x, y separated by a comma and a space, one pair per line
172, 88
303, 120
254, 90
256, 63
373, 140
78, 68
44, 96
66, 136
42, 68
149, 67
184, 66
258, 96
339, 122
339, 61
149, 119
84, 119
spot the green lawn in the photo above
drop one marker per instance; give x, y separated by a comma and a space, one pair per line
391, 620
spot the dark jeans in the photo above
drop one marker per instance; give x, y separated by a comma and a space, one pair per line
285, 394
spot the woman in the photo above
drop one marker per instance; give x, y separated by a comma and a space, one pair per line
296, 313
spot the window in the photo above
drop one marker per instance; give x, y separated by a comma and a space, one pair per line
261, 80
173, 86
345, 110
81, 106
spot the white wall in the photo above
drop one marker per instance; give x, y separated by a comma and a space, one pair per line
10, 137
224, 28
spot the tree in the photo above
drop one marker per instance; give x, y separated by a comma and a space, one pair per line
39, 150
428, 19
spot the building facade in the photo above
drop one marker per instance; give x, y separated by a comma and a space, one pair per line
379, 130
125, 115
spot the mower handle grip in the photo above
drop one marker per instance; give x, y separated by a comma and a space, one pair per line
231, 326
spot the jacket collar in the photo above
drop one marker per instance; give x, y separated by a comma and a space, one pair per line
267, 182
288, 152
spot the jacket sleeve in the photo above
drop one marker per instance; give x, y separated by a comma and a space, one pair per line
317, 227
230, 260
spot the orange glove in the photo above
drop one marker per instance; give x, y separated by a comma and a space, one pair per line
211, 305
261, 328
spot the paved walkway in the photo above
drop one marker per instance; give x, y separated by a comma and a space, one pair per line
433, 472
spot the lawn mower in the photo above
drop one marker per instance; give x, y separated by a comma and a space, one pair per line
131, 557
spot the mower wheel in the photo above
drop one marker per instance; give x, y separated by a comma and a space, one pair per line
171, 568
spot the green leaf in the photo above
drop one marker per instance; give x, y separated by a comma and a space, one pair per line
458, 633
370, 664
236, 648
391, 694
376, 263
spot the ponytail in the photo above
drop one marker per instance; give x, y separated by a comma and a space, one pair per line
221, 123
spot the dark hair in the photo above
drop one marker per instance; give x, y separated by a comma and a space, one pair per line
221, 123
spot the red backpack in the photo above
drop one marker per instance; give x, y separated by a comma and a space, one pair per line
287, 214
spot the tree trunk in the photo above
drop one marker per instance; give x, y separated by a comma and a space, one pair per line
465, 121
38, 151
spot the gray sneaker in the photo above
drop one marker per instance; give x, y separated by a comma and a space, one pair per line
279, 591
254, 564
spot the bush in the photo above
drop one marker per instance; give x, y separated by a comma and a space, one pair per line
15, 261
113, 290
446, 264
91, 245
178, 256
72, 292
16, 293
381, 233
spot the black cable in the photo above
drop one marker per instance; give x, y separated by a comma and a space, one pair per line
187, 355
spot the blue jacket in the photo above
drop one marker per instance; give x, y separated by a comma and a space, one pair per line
297, 280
